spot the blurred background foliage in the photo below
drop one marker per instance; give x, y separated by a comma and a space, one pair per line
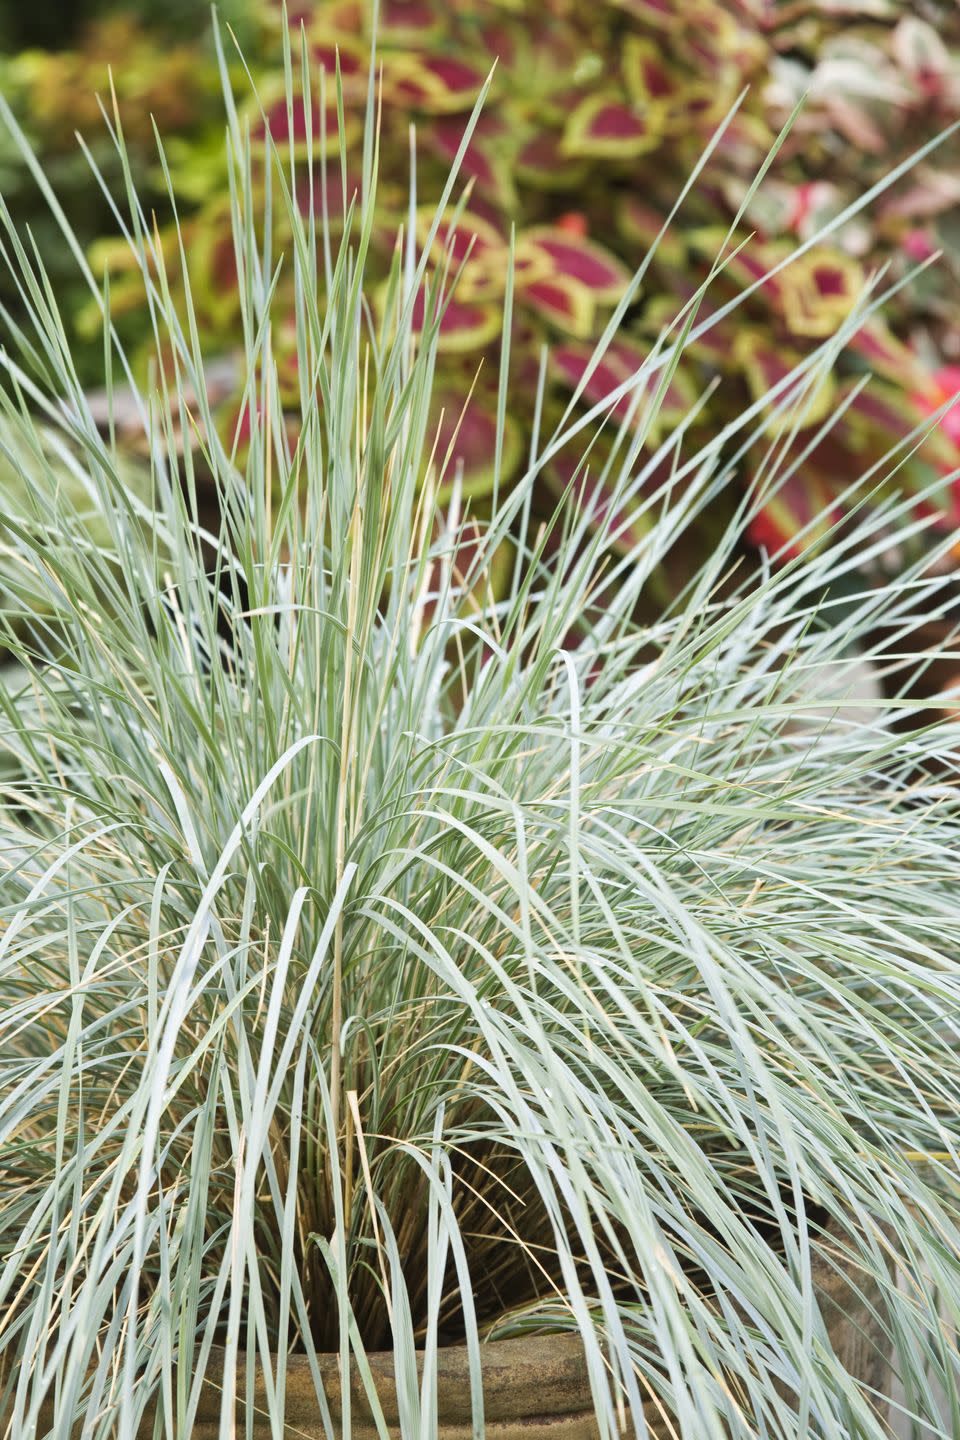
57, 62
596, 116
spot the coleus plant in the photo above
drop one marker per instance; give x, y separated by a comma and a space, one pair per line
159, 62
595, 113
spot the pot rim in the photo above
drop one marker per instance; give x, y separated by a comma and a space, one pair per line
525, 1377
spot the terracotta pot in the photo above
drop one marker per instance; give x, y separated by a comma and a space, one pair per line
537, 1388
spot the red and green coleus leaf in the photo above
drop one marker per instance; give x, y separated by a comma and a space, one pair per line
680, 393
565, 303
466, 439
498, 39
561, 253
326, 50
486, 277
564, 277
886, 355
295, 12
881, 415
714, 346
683, 105
641, 223
878, 418
215, 258
819, 290
296, 123
481, 161
436, 84
408, 23
545, 57
542, 161
664, 14
746, 266
765, 363
696, 108
647, 73
465, 325
752, 265
474, 242
570, 364
338, 17
619, 363
717, 47
805, 499
941, 388
609, 127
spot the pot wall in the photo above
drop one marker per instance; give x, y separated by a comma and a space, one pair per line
535, 1388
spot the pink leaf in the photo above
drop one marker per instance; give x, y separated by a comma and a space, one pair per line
605, 125
590, 264
562, 301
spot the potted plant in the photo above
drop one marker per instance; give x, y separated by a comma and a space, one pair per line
435, 1002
